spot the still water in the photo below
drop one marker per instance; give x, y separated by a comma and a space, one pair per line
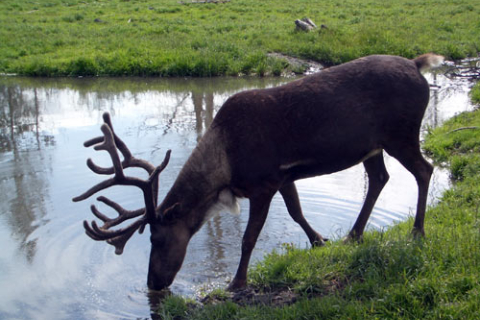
49, 268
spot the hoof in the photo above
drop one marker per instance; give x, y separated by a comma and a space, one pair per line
352, 239
236, 285
418, 233
318, 241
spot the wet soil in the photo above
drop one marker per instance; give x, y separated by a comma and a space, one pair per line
254, 296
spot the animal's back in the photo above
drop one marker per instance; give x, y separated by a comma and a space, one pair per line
369, 86
326, 122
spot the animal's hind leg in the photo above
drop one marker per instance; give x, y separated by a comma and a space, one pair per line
411, 158
377, 178
290, 196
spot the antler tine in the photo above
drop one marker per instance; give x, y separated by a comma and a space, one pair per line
117, 238
153, 180
126, 163
119, 178
129, 159
120, 144
110, 146
96, 188
123, 214
92, 142
120, 242
160, 168
98, 169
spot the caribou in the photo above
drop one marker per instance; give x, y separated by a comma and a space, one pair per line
261, 142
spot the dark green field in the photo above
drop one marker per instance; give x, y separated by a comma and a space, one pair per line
167, 38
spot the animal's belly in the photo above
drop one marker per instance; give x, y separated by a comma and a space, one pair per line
311, 167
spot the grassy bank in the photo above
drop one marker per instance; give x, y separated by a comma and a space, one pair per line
166, 38
390, 275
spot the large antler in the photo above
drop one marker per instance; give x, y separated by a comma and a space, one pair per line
110, 142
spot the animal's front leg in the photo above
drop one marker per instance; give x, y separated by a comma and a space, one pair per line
259, 206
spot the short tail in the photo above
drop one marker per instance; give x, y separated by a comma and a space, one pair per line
428, 60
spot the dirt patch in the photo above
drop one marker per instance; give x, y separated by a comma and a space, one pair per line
251, 296
309, 66
274, 298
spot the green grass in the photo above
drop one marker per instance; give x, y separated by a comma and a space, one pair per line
475, 93
458, 137
390, 275
166, 38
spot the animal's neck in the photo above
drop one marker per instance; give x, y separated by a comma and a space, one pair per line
200, 183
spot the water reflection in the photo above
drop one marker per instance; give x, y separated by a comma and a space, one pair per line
50, 269
23, 168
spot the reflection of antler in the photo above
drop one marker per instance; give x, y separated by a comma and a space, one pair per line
110, 143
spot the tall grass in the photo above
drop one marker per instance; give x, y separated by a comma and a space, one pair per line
166, 38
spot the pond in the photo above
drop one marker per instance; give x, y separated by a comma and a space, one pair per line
49, 268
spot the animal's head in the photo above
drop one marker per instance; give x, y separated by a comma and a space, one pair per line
169, 245
169, 237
